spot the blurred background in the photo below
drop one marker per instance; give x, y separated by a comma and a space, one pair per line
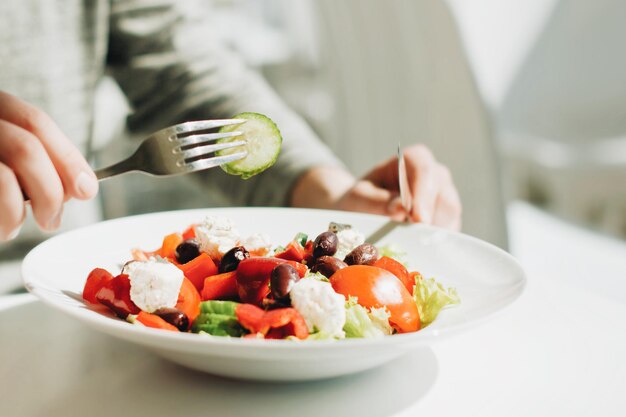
522, 99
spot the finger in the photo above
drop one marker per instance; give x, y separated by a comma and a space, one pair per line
76, 175
385, 175
11, 204
448, 208
424, 181
24, 154
367, 197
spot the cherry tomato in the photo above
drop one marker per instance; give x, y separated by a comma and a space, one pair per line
376, 287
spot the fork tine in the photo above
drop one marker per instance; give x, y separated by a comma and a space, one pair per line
207, 137
207, 163
188, 127
207, 149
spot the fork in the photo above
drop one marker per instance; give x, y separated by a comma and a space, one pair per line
180, 149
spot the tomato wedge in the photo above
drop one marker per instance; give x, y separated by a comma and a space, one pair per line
376, 287
273, 324
115, 294
398, 270
96, 280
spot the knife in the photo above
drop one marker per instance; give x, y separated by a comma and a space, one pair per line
403, 184
405, 199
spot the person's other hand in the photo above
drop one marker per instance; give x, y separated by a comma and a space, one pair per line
37, 159
435, 198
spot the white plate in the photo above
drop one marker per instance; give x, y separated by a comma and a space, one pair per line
487, 279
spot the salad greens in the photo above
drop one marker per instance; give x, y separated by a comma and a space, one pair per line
363, 323
430, 297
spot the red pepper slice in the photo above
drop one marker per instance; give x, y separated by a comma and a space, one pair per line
220, 287
96, 280
198, 269
398, 270
308, 252
154, 321
293, 252
115, 294
274, 324
190, 232
168, 247
253, 277
189, 300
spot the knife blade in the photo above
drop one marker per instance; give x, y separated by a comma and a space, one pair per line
403, 184
405, 199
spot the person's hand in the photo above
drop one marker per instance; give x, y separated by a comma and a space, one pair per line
435, 198
38, 160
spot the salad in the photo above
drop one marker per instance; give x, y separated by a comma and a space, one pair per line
209, 279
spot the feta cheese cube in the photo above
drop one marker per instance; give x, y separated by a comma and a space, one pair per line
154, 284
216, 236
320, 306
347, 240
258, 244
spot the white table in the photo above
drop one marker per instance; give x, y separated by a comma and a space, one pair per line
560, 350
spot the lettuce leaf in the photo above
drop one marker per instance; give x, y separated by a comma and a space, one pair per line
363, 323
218, 318
430, 297
316, 275
394, 252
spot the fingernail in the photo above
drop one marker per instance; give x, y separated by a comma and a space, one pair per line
87, 185
55, 222
14, 233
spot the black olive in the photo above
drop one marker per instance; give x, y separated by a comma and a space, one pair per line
187, 251
325, 244
365, 254
230, 260
174, 317
327, 265
282, 278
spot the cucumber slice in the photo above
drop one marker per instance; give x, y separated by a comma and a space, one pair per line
263, 145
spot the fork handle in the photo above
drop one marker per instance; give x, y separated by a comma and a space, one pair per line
106, 172
121, 167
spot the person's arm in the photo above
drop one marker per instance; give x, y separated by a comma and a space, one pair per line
37, 159
169, 80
